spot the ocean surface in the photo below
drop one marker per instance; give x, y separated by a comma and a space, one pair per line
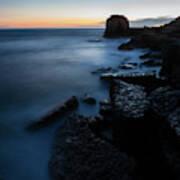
38, 69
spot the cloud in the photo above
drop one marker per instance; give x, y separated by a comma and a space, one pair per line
151, 21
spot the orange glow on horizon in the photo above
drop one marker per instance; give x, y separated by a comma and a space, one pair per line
48, 23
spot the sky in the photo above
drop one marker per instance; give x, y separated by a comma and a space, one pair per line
84, 13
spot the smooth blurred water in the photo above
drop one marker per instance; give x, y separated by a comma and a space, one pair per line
39, 68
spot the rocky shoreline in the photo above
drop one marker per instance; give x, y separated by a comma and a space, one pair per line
136, 135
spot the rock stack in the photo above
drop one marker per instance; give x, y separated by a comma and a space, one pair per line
116, 25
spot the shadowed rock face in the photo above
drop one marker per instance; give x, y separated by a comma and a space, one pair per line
116, 25
171, 65
164, 100
174, 121
84, 156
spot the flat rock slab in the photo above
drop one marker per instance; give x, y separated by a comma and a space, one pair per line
82, 156
58, 112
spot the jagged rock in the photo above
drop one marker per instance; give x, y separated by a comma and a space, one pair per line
116, 25
89, 99
56, 113
164, 100
129, 101
84, 156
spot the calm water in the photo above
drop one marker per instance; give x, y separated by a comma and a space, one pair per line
39, 68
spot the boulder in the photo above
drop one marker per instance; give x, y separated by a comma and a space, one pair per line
116, 25
82, 155
89, 99
58, 112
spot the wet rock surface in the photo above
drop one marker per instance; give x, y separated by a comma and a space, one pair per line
128, 66
56, 113
84, 156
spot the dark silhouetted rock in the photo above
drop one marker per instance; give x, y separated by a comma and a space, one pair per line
89, 99
105, 108
173, 28
116, 25
56, 113
147, 40
151, 55
174, 121
82, 156
164, 100
152, 62
126, 46
171, 63
170, 141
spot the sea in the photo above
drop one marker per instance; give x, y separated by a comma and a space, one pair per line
39, 68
